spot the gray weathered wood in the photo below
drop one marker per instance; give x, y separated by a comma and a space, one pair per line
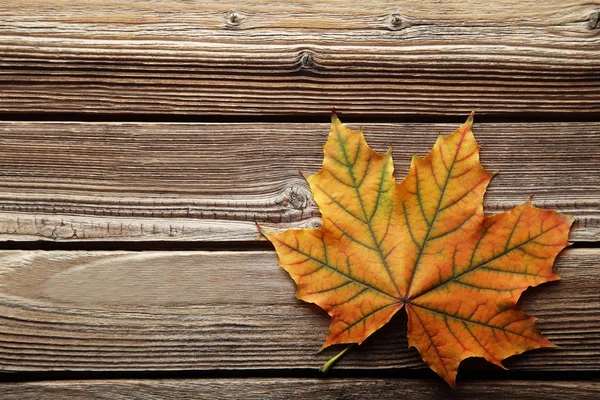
281, 388
297, 58
156, 181
79, 310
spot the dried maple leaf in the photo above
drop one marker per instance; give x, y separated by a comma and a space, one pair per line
425, 245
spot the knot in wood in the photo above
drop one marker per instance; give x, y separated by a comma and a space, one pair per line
233, 19
298, 198
594, 20
306, 60
396, 22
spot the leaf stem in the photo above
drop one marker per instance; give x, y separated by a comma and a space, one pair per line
327, 366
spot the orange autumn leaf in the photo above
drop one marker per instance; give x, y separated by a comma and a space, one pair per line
423, 245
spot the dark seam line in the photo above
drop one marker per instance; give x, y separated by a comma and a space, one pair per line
504, 118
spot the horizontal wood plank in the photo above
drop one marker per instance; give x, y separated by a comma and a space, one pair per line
280, 388
380, 58
212, 182
125, 311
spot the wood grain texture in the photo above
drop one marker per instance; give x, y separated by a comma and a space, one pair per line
125, 311
279, 58
184, 181
280, 388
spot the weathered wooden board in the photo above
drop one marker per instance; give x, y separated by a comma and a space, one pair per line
281, 388
300, 58
212, 311
211, 182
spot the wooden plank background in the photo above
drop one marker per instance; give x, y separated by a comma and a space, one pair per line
141, 141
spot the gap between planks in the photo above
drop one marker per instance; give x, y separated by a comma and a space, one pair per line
256, 388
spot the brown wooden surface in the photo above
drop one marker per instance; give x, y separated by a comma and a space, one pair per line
174, 125
210, 182
260, 58
252, 388
231, 310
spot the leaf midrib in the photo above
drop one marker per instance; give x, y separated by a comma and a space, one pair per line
364, 211
435, 215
